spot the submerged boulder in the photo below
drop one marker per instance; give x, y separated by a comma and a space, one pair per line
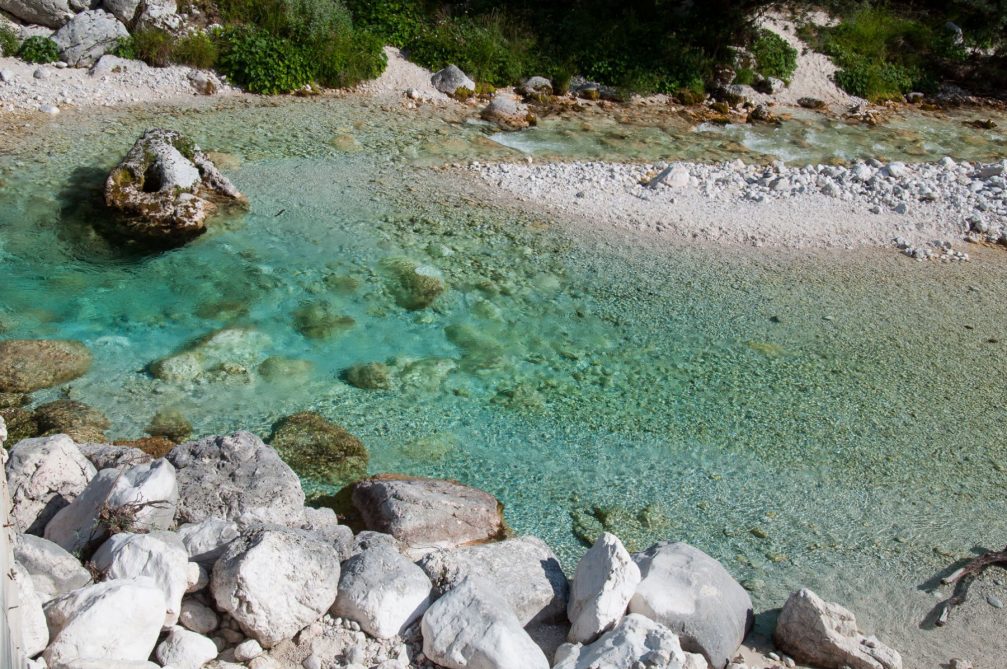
167, 188
507, 113
82, 423
27, 365
319, 449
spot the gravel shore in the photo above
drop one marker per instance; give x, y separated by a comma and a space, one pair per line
925, 209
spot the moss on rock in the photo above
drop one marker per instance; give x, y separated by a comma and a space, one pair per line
31, 364
170, 424
81, 422
318, 449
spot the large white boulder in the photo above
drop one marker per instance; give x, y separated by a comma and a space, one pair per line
635, 641
48, 13
53, 571
115, 620
471, 627
88, 36
450, 79
158, 555
524, 571
138, 498
238, 478
183, 649
692, 594
207, 540
44, 475
605, 581
825, 635
274, 582
382, 591
34, 630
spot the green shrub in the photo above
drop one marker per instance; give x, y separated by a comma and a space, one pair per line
773, 56
152, 46
124, 48
487, 48
195, 50
38, 49
262, 63
348, 60
398, 22
744, 76
876, 81
9, 42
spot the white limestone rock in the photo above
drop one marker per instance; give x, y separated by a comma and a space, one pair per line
382, 591
207, 540
450, 79
53, 571
88, 36
158, 555
324, 524
44, 476
524, 571
275, 582
183, 649
825, 635
247, 650
114, 620
143, 497
48, 13
605, 581
237, 478
471, 627
635, 641
692, 594
198, 617
34, 630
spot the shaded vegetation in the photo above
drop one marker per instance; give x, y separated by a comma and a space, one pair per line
9, 42
38, 49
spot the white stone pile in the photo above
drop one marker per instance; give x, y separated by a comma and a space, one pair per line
921, 208
209, 558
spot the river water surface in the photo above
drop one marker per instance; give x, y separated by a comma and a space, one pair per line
834, 420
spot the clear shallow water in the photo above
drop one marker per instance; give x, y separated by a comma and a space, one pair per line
835, 421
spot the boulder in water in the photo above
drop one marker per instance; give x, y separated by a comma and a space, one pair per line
27, 365
319, 449
167, 188
507, 113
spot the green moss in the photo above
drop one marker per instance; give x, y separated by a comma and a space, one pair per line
319, 449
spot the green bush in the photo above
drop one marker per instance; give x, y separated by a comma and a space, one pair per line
773, 56
487, 48
150, 45
9, 42
195, 50
348, 60
398, 22
262, 63
876, 81
744, 77
37, 49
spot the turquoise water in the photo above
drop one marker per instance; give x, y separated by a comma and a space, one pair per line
830, 420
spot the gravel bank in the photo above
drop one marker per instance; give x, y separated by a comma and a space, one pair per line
925, 208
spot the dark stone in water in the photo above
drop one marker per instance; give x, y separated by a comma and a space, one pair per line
319, 449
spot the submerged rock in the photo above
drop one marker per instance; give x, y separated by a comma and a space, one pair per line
80, 422
171, 424
27, 365
507, 113
228, 352
825, 635
414, 286
167, 189
321, 320
319, 449
369, 376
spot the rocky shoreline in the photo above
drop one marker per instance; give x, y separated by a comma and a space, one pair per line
926, 210
209, 557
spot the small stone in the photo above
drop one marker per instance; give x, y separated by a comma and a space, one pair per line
312, 662
40, 73
247, 650
995, 601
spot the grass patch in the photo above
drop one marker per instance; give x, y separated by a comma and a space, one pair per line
9, 42
196, 50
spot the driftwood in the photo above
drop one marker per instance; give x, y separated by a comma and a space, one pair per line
961, 578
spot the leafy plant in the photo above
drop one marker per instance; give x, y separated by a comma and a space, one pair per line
398, 22
124, 48
262, 63
774, 57
347, 61
38, 49
196, 50
744, 77
9, 42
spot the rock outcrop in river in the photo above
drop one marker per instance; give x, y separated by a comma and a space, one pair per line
166, 189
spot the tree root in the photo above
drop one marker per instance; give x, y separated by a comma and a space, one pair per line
963, 576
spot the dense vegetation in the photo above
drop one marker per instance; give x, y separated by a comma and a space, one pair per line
38, 49
885, 49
